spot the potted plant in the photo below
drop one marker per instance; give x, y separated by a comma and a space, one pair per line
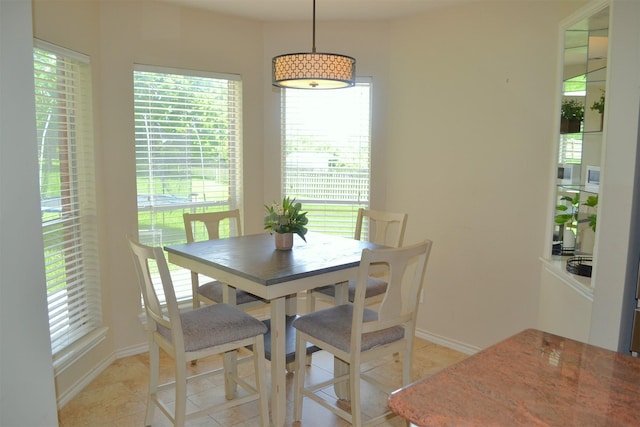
286, 219
571, 115
567, 219
592, 202
599, 104
569, 215
599, 107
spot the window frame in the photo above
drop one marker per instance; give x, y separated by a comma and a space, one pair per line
335, 215
232, 134
68, 203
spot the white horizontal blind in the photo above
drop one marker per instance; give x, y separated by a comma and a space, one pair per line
188, 133
67, 189
570, 148
326, 154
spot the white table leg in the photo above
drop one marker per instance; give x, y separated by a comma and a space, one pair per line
291, 304
339, 367
228, 294
291, 307
278, 361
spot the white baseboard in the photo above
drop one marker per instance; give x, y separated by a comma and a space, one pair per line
447, 342
132, 351
71, 392
83, 382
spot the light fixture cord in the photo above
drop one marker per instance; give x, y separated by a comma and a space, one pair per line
314, 27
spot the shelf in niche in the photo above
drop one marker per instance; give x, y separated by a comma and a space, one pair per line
576, 189
556, 265
584, 74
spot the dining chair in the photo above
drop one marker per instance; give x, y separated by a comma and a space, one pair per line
356, 334
212, 292
384, 228
218, 329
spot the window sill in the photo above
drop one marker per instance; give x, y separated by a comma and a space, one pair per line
75, 351
556, 265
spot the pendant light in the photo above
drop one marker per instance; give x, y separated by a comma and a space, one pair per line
313, 70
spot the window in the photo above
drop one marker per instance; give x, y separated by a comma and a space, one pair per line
188, 134
67, 191
326, 161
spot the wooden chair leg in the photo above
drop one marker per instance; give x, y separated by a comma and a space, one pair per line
261, 379
154, 370
354, 388
230, 362
298, 378
180, 413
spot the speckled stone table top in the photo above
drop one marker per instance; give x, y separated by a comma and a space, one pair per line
531, 379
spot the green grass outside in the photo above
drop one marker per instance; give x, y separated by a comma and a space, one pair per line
166, 227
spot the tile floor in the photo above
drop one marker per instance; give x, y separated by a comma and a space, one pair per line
117, 397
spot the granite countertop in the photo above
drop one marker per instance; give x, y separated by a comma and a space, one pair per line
532, 378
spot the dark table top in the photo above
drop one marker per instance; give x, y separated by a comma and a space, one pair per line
254, 257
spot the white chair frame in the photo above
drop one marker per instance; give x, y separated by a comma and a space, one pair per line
397, 309
212, 222
385, 228
169, 317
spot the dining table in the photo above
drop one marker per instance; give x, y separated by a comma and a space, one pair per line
253, 264
533, 378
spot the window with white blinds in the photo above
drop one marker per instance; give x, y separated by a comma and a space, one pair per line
188, 136
67, 191
326, 154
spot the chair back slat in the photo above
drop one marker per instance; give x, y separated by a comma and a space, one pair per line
212, 221
405, 268
145, 258
385, 228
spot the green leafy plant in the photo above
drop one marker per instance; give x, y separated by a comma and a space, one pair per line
599, 104
569, 214
286, 218
572, 110
592, 202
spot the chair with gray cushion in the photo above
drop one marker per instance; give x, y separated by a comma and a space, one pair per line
212, 292
356, 334
383, 228
218, 329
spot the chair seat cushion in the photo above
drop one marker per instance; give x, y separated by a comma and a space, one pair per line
213, 291
214, 325
333, 326
375, 286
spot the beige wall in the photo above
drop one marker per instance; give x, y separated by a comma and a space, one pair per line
462, 130
470, 113
27, 396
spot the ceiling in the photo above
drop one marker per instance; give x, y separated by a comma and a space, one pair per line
298, 10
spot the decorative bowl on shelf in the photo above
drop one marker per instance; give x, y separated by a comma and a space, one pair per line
580, 265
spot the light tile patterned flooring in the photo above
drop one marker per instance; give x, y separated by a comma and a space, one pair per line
117, 397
